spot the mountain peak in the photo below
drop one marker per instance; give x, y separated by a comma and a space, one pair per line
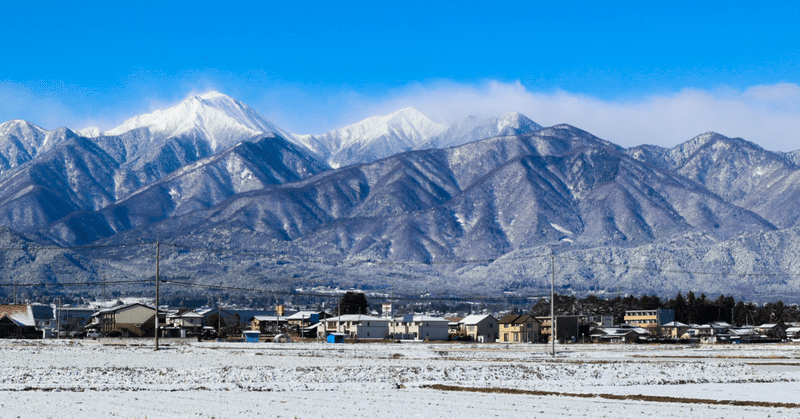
213, 95
220, 119
471, 128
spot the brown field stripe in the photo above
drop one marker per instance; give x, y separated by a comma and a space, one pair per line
636, 397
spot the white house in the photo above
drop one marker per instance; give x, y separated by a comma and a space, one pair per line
355, 326
419, 327
186, 321
713, 332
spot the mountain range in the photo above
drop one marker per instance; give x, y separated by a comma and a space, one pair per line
398, 203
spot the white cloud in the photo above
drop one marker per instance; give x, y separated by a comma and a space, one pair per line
767, 115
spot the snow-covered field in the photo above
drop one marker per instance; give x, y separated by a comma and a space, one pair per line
117, 378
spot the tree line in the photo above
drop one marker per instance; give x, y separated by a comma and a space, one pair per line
688, 309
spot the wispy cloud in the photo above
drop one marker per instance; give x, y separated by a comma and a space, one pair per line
767, 115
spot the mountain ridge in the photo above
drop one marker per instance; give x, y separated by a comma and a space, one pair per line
397, 199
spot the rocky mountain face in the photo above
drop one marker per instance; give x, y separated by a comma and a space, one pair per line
476, 207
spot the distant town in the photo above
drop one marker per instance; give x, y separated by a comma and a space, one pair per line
627, 319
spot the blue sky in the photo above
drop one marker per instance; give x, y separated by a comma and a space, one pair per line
630, 72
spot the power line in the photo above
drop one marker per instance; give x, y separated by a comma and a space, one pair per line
60, 284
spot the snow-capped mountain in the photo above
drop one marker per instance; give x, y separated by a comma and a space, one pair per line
212, 170
21, 141
373, 138
251, 165
471, 128
513, 196
214, 117
739, 171
48, 175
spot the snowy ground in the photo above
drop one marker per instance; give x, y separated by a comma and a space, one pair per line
116, 378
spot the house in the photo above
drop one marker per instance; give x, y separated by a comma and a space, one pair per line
302, 322
601, 320
674, 329
744, 334
518, 328
623, 334
714, 332
650, 319
355, 326
771, 330
481, 327
270, 325
419, 327
72, 319
455, 327
184, 322
26, 320
793, 333
566, 328
134, 319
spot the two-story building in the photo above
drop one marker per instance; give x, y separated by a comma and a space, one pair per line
566, 328
134, 319
674, 329
480, 327
771, 330
184, 322
712, 332
518, 328
419, 327
355, 326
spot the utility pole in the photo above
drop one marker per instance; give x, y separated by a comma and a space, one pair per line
158, 257
552, 304
58, 318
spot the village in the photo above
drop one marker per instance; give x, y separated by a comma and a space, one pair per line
138, 319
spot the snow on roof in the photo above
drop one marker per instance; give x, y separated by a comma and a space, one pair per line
743, 331
475, 318
300, 315
27, 314
270, 318
421, 318
675, 324
121, 307
356, 318
188, 314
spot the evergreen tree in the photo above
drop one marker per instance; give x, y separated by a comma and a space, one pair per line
353, 303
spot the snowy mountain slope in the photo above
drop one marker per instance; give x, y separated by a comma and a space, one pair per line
373, 138
471, 129
75, 175
250, 165
435, 204
738, 171
213, 117
22, 141
197, 173
46, 175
